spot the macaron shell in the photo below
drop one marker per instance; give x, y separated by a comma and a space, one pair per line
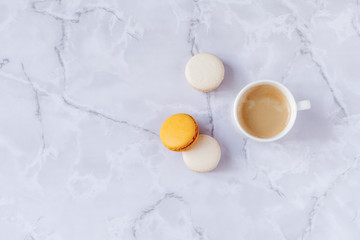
204, 155
179, 132
204, 72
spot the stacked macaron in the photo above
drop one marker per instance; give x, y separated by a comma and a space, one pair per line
180, 132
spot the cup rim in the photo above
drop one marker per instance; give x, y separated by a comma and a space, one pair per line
284, 90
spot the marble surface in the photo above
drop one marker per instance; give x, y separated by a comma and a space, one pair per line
86, 85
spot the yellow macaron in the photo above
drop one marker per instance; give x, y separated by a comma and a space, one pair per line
179, 132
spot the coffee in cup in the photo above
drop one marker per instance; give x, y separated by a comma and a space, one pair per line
266, 110
263, 111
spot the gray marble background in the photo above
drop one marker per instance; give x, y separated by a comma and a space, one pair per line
86, 85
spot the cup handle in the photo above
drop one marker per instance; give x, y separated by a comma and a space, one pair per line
303, 105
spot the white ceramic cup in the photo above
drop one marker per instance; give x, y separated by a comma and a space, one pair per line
294, 107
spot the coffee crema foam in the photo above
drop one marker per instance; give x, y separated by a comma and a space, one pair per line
263, 111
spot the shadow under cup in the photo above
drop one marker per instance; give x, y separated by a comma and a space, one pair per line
265, 110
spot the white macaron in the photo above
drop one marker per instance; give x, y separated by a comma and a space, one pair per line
204, 72
204, 155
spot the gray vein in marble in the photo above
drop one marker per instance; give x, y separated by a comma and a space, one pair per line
272, 186
343, 112
89, 10
245, 150
303, 33
56, 17
60, 48
319, 200
76, 106
308, 49
38, 112
133, 36
197, 230
78, 14
4, 62
152, 208
86, 11
194, 24
29, 237
210, 113
90, 111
